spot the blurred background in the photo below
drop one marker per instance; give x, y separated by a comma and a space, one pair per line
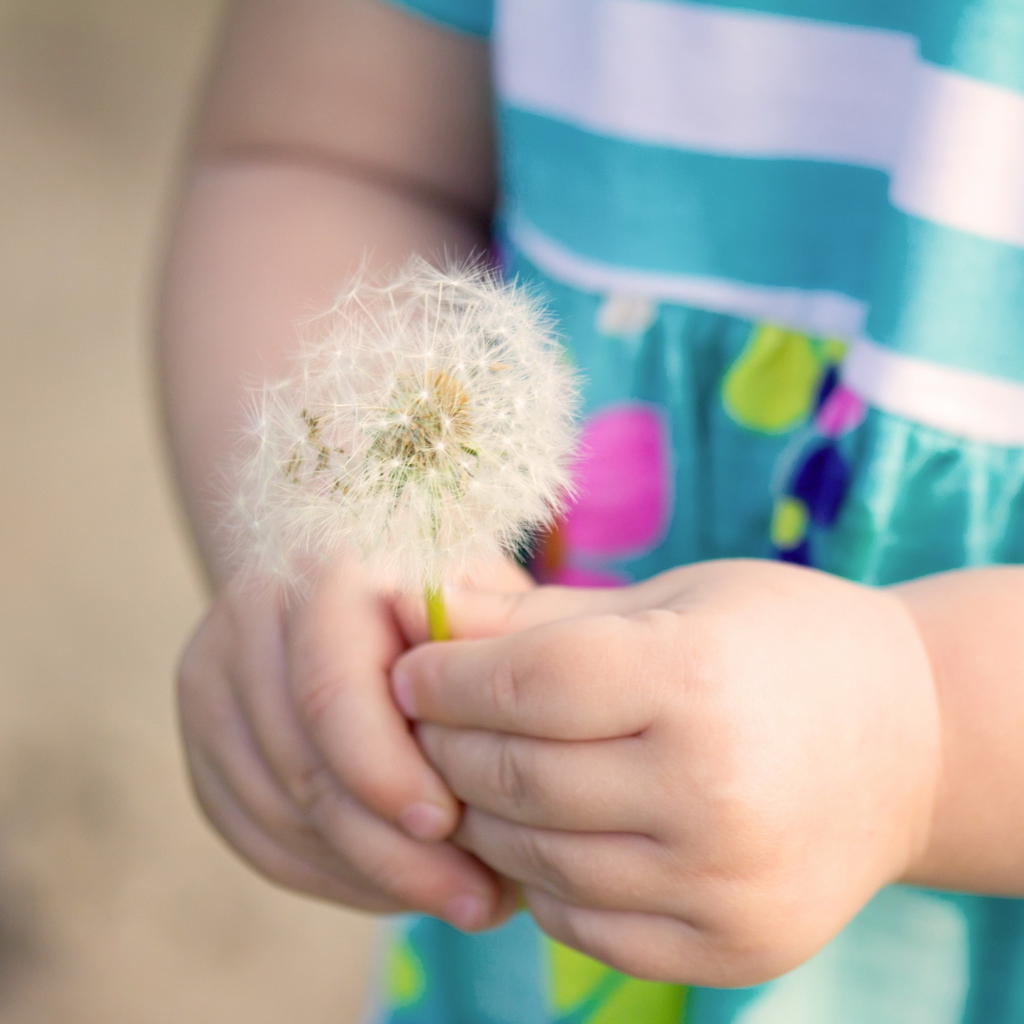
116, 902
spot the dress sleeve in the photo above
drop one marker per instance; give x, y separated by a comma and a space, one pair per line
471, 16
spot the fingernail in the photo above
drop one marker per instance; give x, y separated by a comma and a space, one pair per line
466, 912
401, 685
424, 821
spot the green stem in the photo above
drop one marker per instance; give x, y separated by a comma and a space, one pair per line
437, 614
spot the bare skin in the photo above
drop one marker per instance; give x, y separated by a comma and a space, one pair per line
700, 778
703, 777
335, 131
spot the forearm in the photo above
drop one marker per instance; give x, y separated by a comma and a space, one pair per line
260, 245
335, 133
972, 625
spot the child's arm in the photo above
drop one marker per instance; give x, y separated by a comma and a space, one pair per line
702, 778
334, 131
972, 626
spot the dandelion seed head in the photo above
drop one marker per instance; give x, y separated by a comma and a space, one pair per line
428, 424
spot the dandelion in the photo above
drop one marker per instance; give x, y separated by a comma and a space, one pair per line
429, 426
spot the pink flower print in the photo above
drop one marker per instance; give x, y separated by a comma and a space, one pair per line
623, 475
840, 413
623, 505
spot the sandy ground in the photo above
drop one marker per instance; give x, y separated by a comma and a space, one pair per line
116, 902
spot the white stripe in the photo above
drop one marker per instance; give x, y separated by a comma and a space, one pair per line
963, 165
821, 313
959, 402
755, 85
695, 77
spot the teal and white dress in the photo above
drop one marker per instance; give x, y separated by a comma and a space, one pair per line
784, 241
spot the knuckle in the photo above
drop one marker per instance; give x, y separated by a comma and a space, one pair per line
540, 865
655, 635
706, 645
554, 870
316, 694
340, 826
560, 650
384, 875
511, 782
555, 659
280, 818
311, 787
385, 785
576, 653
392, 878
347, 765
570, 654
506, 686
291, 830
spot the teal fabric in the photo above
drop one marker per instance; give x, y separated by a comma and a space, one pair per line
787, 223
915, 500
498, 974
949, 296
469, 16
859, 979
931, 291
922, 502
919, 502
983, 38
934, 292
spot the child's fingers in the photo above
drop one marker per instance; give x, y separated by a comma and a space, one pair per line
594, 786
434, 878
384, 871
650, 946
580, 679
229, 769
228, 755
340, 650
490, 609
496, 580
238, 697
272, 858
503, 599
336, 849
271, 723
607, 870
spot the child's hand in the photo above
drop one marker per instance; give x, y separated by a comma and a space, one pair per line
301, 760
698, 779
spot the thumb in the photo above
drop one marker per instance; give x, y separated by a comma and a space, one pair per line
481, 611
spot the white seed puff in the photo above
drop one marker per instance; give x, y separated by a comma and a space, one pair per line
428, 425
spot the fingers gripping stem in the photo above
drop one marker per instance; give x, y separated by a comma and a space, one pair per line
437, 614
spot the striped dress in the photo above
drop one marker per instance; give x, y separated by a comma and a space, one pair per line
784, 240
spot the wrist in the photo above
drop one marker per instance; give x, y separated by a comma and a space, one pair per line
925, 755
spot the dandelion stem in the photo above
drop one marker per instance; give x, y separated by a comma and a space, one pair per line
437, 614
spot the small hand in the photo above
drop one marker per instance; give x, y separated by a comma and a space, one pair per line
699, 779
301, 760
